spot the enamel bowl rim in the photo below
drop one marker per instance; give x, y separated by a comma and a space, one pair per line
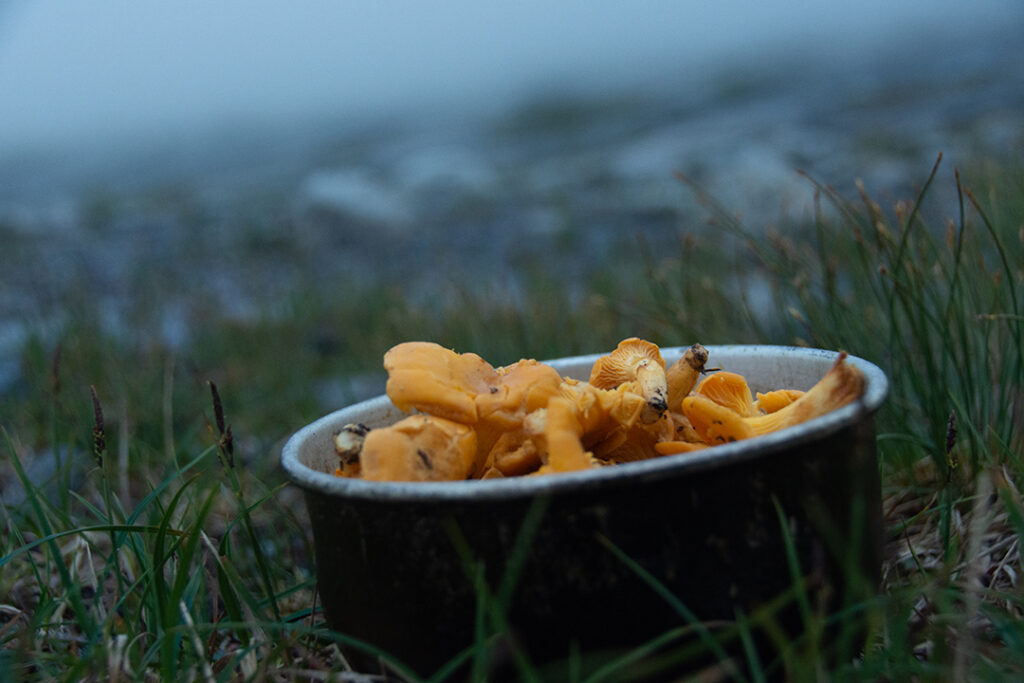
634, 472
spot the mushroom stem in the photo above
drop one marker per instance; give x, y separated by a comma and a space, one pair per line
652, 384
562, 436
683, 375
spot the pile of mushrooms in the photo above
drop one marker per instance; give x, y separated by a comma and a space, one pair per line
470, 420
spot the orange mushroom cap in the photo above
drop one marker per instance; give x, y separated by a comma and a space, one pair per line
419, 448
516, 390
436, 380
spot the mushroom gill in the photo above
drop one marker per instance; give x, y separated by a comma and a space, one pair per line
637, 364
730, 390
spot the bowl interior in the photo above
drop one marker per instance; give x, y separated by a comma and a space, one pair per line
309, 459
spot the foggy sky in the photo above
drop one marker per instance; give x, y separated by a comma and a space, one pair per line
70, 70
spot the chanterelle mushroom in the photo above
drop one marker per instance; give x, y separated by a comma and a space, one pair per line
770, 401
730, 390
842, 384
682, 376
514, 453
517, 390
419, 448
638, 364
601, 411
560, 433
436, 380
466, 389
637, 443
716, 423
348, 444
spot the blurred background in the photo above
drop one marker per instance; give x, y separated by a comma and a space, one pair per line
165, 165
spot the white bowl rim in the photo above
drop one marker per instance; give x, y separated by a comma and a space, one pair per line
489, 490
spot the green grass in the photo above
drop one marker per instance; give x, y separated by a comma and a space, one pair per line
163, 542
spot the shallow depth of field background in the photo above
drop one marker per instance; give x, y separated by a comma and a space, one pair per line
226, 156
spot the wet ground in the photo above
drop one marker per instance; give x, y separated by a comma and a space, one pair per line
233, 219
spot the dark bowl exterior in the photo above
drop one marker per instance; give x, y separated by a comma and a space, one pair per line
713, 533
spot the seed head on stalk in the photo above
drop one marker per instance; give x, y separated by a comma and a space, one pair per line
225, 442
99, 441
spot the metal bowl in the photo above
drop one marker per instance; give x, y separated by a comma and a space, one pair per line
711, 527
